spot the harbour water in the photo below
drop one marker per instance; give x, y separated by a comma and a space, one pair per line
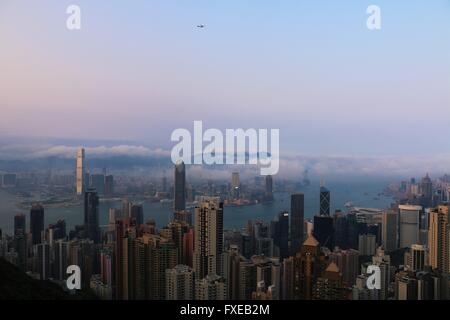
362, 193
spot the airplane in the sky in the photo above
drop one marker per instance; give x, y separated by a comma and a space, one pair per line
200, 26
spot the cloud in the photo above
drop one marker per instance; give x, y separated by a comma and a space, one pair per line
29, 152
292, 166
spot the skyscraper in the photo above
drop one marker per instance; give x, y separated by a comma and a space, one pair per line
324, 231
19, 224
426, 189
180, 283
438, 239
330, 285
287, 279
418, 257
121, 260
297, 216
91, 216
109, 185
208, 237
20, 240
309, 263
409, 216
367, 244
235, 183
280, 234
389, 230
212, 287
347, 262
180, 186
324, 201
137, 213
80, 172
98, 183
36, 223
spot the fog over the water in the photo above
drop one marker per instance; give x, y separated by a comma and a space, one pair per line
114, 155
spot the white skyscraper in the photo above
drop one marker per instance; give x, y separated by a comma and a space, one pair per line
80, 171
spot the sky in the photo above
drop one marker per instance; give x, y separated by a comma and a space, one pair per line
137, 70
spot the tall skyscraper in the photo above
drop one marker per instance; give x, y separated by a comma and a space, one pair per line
180, 186
309, 263
91, 216
235, 182
347, 262
367, 244
426, 189
418, 257
297, 222
20, 240
324, 201
330, 285
180, 283
36, 223
42, 254
60, 257
280, 234
208, 235
188, 247
383, 261
98, 183
231, 264
137, 213
438, 239
19, 224
409, 216
109, 185
389, 230
324, 231
81, 170
287, 279
121, 260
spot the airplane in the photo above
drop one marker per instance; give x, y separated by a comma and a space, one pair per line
200, 26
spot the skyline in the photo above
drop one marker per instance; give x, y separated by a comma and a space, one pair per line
312, 70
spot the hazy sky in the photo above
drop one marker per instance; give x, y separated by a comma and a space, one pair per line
139, 69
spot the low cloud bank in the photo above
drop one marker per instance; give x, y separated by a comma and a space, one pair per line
291, 166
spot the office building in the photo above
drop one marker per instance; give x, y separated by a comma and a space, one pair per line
324, 201
324, 231
36, 223
180, 186
408, 217
389, 230
297, 221
91, 216
81, 172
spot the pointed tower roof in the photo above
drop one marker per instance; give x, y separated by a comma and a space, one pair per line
311, 241
332, 267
